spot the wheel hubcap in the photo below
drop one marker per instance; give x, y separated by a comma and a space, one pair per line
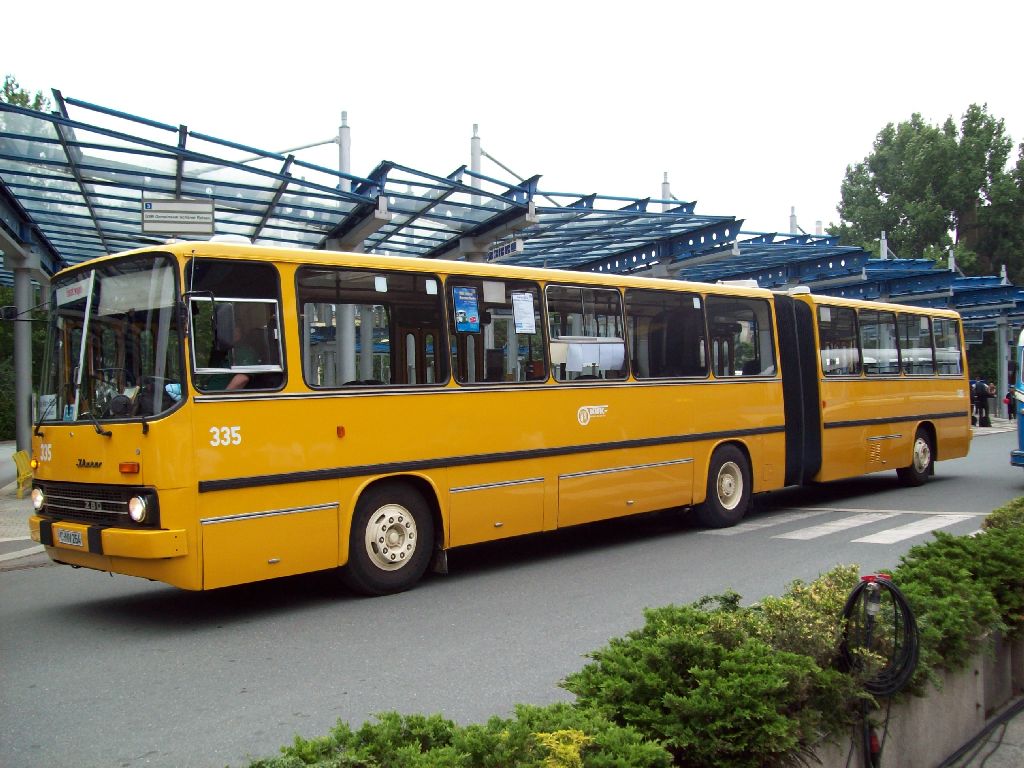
730, 485
391, 537
922, 454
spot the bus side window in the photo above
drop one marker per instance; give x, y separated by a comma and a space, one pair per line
587, 334
840, 348
496, 330
916, 351
742, 343
666, 334
235, 329
369, 328
947, 345
878, 342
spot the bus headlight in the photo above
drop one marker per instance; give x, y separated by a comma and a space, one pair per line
137, 508
38, 499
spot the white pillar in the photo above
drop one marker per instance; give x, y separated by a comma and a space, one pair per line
883, 247
475, 156
344, 152
792, 221
666, 193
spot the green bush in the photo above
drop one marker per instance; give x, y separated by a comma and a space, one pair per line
1010, 515
999, 563
557, 736
951, 608
714, 683
805, 619
708, 685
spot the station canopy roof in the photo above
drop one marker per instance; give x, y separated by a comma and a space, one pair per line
73, 183
81, 174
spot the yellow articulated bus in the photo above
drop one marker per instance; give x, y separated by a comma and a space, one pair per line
213, 414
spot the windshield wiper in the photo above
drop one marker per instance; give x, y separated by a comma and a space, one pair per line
99, 427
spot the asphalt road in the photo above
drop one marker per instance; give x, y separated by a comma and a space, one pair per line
114, 671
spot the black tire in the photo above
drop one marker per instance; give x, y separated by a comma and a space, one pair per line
728, 491
391, 540
922, 461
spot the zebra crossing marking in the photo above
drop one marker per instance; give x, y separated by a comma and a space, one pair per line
768, 522
930, 521
910, 530
834, 526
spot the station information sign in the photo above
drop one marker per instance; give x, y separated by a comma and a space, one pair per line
177, 217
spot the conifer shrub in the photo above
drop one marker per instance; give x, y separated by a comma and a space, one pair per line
714, 683
1010, 515
556, 736
704, 680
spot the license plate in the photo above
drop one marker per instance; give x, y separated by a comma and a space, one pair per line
70, 538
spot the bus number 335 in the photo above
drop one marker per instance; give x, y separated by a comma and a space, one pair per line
220, 436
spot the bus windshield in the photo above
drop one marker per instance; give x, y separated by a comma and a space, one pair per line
114, 343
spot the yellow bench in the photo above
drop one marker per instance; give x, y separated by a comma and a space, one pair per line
21, 461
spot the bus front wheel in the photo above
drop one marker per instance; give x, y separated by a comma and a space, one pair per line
728, 492
922, 461
391, 540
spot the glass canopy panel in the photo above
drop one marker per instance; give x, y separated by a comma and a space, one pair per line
97, 161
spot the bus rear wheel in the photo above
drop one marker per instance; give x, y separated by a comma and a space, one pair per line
922, 461
391, 540
728, 491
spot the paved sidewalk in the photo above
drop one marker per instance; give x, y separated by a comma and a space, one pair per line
14, 512
1002, 746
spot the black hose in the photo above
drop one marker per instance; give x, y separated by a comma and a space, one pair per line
862, 632
859, 633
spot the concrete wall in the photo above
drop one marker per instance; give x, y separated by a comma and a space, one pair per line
924, 731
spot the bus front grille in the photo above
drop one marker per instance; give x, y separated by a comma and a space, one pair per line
92, 504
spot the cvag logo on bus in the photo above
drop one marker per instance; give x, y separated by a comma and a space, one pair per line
587, 412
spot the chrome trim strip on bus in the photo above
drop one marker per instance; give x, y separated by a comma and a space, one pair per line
337, 473
406, 390
267, 513
894, 419
848, 377
612, 470
505, 484
878, 438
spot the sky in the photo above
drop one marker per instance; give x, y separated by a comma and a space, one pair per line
751, 108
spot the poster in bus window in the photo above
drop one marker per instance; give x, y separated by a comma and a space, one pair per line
467, 310
522, 313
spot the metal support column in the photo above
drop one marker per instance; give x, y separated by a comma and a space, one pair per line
23, 358
25, 265
1002, 365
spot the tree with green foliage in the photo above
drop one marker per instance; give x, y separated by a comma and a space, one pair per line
13, 93
931, 187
